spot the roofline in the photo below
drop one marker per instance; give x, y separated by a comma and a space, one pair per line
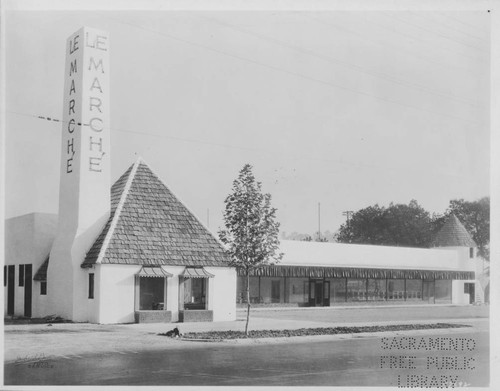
365, 245
185, 206
118, 211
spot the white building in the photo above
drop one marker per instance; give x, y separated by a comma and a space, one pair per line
137, 254
134, 253
333, 274
152, 261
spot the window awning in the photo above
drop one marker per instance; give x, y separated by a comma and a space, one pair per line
196, 272
153, 271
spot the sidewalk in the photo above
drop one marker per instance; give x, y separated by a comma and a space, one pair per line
74, 339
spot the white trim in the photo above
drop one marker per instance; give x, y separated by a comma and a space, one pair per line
118, 211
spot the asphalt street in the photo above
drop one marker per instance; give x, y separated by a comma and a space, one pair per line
353, 361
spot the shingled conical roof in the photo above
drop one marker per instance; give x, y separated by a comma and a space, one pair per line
453, 234
148, 225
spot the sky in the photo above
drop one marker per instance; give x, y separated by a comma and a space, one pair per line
342, 108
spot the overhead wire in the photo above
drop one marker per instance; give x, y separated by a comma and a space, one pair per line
296, 74
416, 38
345, 64
295, 157
432, 15
444, 36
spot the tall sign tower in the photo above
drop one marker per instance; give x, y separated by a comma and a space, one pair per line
84, 196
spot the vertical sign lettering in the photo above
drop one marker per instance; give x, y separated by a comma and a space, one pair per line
97, 44
72, 93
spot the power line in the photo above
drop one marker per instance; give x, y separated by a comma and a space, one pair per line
385, 44
52, 119
259, 150
460, 21
345, 64
392, 15
413, 37
433, 16
309, 78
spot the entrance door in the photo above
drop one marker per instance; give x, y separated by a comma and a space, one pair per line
319, 293
28, 271
275, 291
10, 289
326, 294
469, 288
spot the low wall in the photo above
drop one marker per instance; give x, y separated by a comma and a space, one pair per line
153, 316
196, 316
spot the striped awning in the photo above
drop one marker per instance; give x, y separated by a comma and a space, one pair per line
153, 271
196, 272
351, 272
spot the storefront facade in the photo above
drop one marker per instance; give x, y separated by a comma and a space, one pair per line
334, 274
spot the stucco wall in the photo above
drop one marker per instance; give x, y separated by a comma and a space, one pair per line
457, 294
116, 293
173, 291
28, 240
222, 293
370, 256
40, 302
115, 288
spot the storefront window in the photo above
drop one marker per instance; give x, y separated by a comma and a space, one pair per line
443, 291
356, 289
195, 293
413, 289
376, 289
241, 288
395, 289
151, 293
338, 289
297, 290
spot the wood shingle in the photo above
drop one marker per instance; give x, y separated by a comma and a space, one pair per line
453, 234
148, 225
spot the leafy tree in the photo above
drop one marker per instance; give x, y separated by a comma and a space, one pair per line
251, 230
396, 225
411, 225
326, 236
320, 238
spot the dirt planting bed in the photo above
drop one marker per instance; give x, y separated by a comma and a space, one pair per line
222, 335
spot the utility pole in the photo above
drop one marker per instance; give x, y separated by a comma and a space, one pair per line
319, 222
348, 214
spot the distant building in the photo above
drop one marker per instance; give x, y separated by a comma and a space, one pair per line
333, 274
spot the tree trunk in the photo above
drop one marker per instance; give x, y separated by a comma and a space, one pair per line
248, 302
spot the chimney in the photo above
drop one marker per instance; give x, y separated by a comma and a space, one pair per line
84, 193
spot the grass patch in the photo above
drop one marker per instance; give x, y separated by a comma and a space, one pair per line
221, 335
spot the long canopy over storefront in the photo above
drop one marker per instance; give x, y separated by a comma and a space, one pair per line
345, 272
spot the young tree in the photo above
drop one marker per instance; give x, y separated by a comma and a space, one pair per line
251, 230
